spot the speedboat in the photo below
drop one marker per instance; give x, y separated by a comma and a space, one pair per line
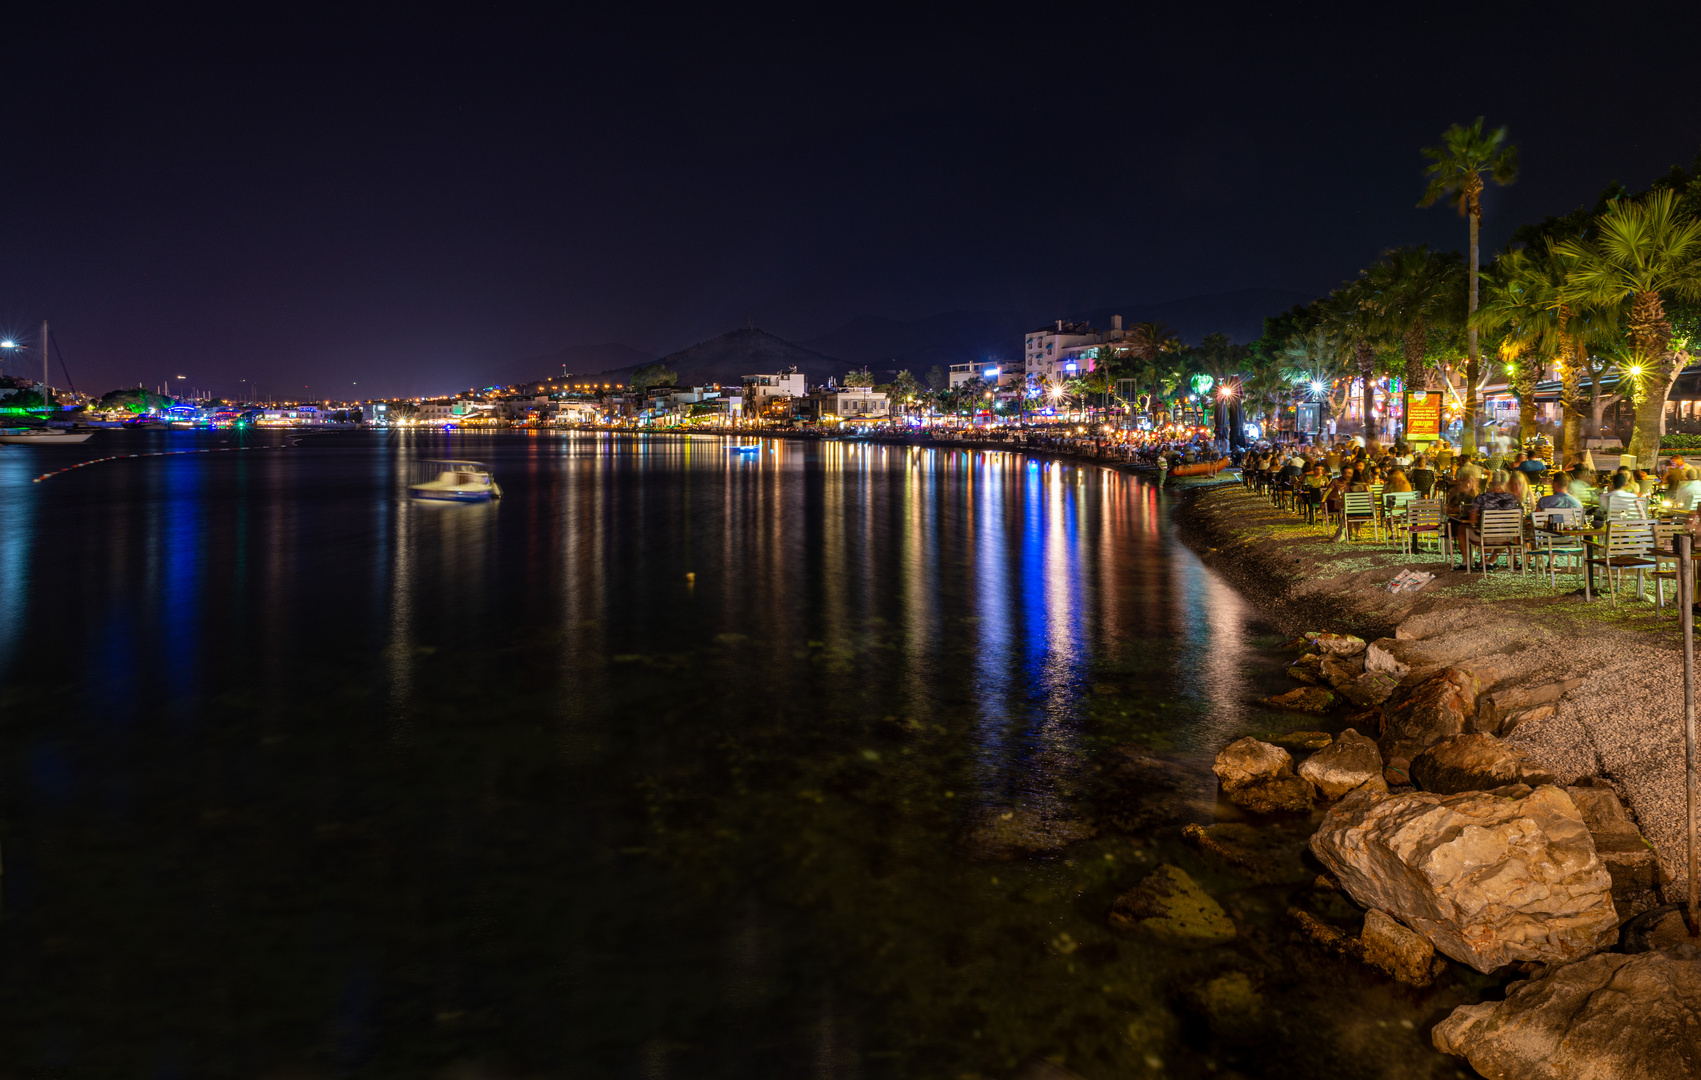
42, 436
742, 449
455, 481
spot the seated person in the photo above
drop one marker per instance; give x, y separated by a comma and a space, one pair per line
1397, 481
1422, 476
1621, 498
1531, 467
1688, 489
1499, 496
1674, 472
1561, 499
1644, 482
1582, 486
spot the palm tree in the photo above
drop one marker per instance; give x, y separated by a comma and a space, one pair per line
1351, 314
1456, 172
1521, 305
1318, 359
1643, 249
1150, 344
1224, 362
1415, 290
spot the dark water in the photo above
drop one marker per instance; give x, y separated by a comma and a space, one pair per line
302, 779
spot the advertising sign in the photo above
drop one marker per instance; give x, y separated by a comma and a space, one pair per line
1423, 416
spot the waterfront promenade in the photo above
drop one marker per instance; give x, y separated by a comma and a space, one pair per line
1622, 721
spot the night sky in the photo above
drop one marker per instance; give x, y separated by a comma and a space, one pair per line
416, 202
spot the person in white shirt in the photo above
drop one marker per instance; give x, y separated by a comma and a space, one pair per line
1622, 500
1688, 490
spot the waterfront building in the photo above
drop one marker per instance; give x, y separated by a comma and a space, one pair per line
773, 394
831, 403
1066, 349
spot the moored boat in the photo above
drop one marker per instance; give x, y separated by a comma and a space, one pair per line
42, 436
455, 481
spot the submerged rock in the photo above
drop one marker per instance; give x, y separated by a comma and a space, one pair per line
1307, 699
1488, 879
1349, 762
1475, 763
1407, 956
1018, 832
1230, 1004
1141, 789
1300, 740
1608, 1017
1172, 907
1262, 854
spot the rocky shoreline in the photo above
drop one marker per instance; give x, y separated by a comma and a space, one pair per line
1513, 743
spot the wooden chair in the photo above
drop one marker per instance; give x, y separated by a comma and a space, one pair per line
1557, 547
1666, 566
1359, 507
1628, 544
1501, 530
1427, 518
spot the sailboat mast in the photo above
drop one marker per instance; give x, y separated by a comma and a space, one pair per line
46, 398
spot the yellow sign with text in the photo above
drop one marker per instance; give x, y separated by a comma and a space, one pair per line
1423, 416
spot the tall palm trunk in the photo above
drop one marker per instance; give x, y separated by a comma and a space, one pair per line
1570, 398
1525, 385
1650, 343
1366, 372
1473, 361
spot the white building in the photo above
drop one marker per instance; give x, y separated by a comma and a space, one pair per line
846, 403
1065, 349
760, 391
991, 372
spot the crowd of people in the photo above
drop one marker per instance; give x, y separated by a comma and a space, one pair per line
1470, 484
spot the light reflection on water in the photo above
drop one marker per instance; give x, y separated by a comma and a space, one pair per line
457, 782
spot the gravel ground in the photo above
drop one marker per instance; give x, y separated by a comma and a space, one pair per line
1625, 722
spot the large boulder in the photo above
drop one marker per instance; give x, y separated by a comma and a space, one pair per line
1608, 1017
1475, 763
1438, 708
1634, 868
1259, 777
1170, 906
1500, 712
1489, 879
1339, 644
1350, 761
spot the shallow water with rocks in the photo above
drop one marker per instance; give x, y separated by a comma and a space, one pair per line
303, 779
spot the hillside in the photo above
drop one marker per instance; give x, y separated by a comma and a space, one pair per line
735, 354
579, 360
974, 336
